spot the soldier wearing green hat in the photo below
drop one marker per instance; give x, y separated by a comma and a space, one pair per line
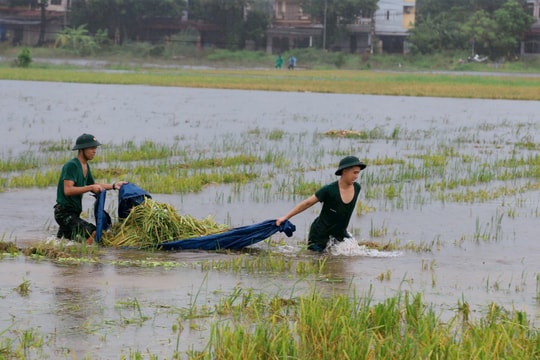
75, 180
338, 202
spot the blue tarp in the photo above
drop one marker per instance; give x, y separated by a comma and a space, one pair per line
103, 220
130, 195
233, 239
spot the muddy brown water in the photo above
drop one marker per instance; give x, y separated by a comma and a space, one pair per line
83, 307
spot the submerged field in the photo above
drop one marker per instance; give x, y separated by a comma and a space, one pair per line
448, 211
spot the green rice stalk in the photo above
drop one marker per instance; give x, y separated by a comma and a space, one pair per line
152, 223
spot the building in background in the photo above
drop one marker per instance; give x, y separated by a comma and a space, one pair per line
23, 25
290, 28
530, 46
359, 37
393, 20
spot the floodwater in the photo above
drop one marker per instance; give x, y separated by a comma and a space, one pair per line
81, 309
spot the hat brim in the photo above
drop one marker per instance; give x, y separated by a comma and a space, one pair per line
86, 146
340, 170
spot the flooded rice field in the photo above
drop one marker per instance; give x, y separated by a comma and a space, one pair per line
451, 189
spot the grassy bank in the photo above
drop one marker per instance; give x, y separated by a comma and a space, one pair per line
439, 76
325, 81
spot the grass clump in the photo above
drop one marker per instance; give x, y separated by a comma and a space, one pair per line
400, 327
24, 58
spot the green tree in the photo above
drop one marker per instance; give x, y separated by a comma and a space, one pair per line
437, 33
513, 21
122, 15
487, 5
498, 34
450, 9
491, 27
426, 8
483, 30
257, 22
228, 15
76, 39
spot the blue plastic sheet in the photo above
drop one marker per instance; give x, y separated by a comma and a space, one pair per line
233, 239
130, 195
103, 219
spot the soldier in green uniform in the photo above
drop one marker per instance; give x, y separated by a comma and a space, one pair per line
279, 62
75, 180
338, 199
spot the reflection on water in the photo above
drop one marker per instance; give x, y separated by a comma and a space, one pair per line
479, 251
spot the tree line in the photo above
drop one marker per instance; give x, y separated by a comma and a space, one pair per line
489, 27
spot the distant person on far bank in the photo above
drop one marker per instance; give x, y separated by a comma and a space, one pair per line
292, 62
279, 62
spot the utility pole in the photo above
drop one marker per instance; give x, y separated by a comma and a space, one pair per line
372, 32
324, 25
43, 24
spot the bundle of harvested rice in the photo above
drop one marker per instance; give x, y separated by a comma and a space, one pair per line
346, 133
152, 223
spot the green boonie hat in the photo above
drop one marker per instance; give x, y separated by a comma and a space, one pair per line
86, 141
349, 161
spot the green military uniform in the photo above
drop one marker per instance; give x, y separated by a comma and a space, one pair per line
72, 170
68, 209
279, 62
